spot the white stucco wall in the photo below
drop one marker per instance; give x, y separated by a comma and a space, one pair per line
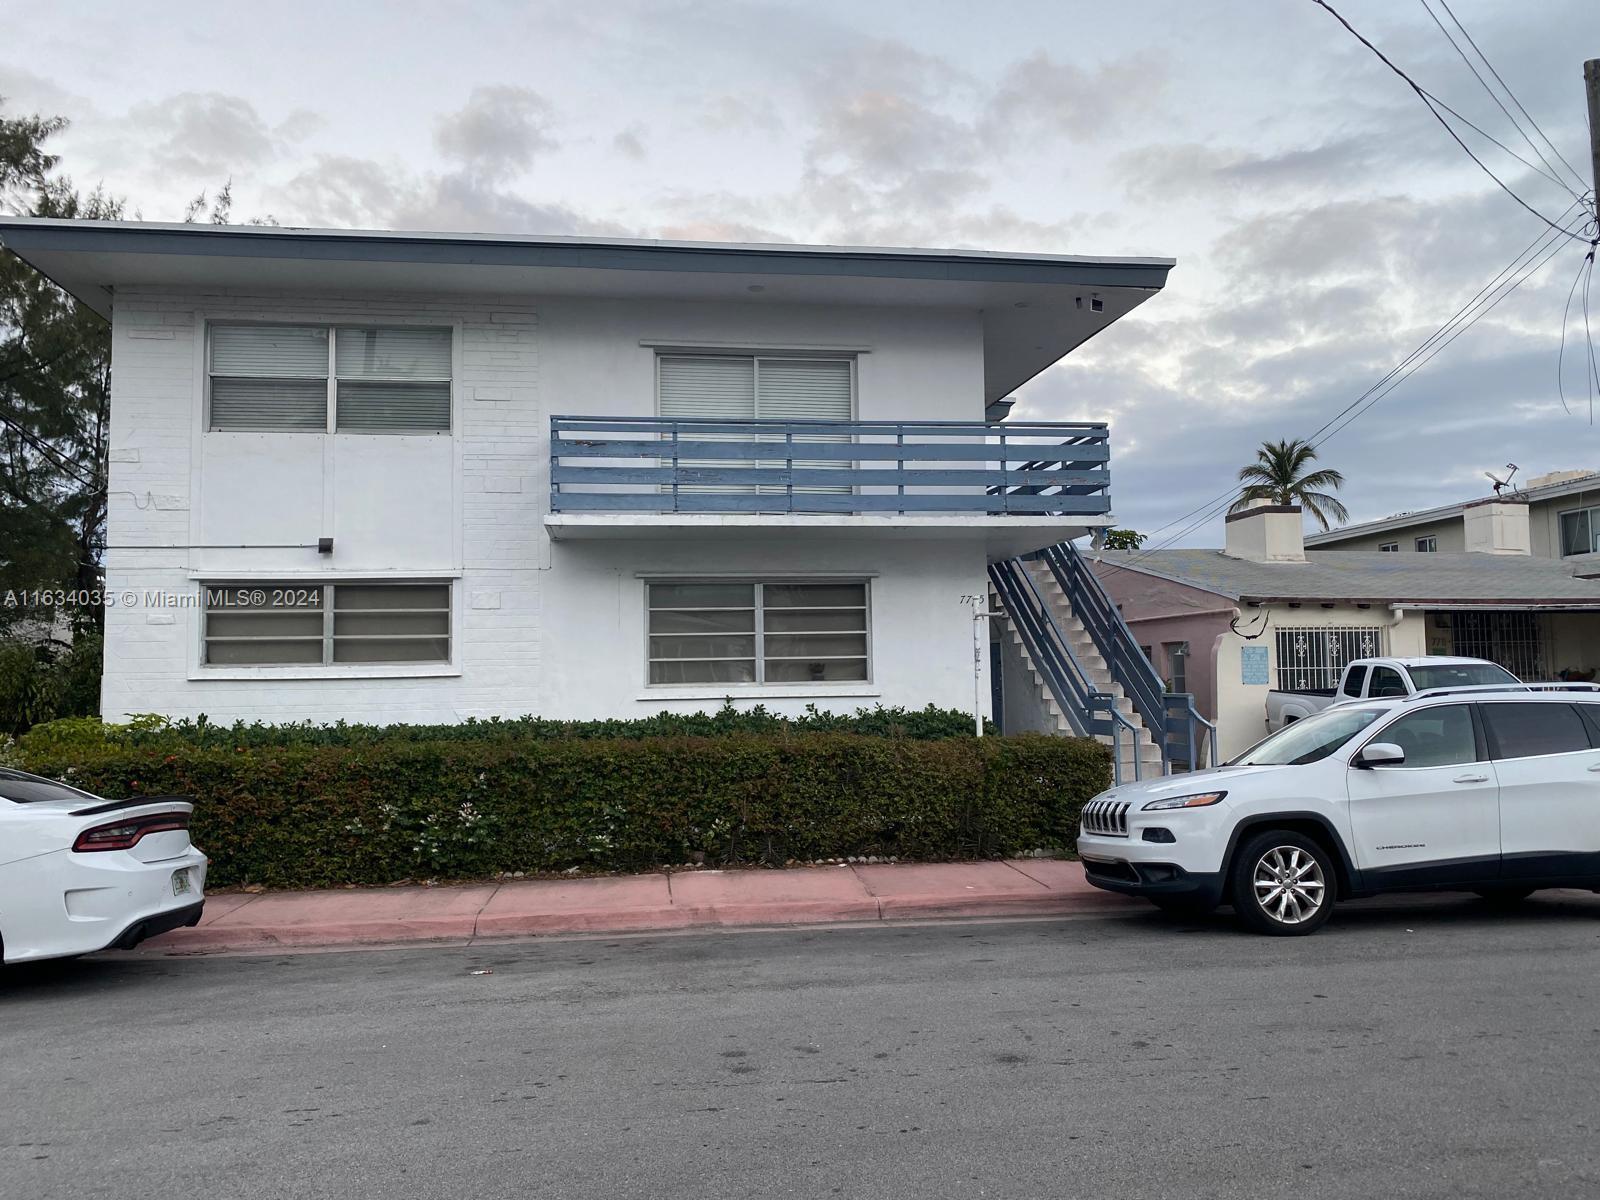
539, 627
1242, 707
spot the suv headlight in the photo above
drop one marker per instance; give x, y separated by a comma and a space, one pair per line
1198, 800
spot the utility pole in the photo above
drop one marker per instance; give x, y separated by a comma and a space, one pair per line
1591, 84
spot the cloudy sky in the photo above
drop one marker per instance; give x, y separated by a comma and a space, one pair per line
1324, 224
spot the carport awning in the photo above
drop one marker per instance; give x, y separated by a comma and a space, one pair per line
1496, 607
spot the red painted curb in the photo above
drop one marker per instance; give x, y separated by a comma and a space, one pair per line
633, 904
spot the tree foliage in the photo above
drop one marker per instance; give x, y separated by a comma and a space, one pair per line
1121, 539
55, 379
1280, 475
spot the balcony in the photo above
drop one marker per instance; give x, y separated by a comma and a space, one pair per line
1016, 483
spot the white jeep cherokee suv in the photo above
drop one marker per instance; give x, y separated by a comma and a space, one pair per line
1491, 790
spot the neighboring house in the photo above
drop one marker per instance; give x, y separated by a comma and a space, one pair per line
1261, 614
425, 477
1562, 521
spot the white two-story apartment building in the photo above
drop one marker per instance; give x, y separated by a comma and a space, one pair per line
388, 477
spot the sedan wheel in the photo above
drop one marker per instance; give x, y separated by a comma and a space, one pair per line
1283, 884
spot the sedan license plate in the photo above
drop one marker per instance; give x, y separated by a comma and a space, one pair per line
180, 882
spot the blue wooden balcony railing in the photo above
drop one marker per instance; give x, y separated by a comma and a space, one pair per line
651, 465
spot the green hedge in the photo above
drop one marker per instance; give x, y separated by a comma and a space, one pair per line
43, 681
924, 724
312, 816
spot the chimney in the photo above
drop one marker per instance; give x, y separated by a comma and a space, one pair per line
1266, 533
1497, 527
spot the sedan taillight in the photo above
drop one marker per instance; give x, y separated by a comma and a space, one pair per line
124, 835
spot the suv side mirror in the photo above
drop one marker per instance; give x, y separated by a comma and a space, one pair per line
1380, 754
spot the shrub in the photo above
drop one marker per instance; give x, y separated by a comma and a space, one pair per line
40, 682
318, 815
151, 730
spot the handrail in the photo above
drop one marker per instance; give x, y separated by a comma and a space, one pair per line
695, 464
1111, 635
1089, 712
1183, 724
1069, 688
1171, 715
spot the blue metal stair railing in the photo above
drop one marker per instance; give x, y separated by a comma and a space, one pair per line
1090, 713
1173, 714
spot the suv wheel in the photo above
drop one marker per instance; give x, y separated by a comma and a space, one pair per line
1282, 884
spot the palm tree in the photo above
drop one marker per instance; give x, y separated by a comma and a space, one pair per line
1279, 476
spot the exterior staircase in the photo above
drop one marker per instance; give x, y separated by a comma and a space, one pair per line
1090, 676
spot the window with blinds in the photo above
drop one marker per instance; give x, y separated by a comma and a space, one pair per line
289, 624
752, 633
734, 387
392, 380
269, 377
315, 379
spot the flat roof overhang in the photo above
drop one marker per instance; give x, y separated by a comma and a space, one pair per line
1440, 605
1002, 536
1035, 308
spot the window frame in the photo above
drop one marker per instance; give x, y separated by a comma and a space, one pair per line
331, 377
1327, 651
1493, 741
1372, 679
759, 583
328, 663
1389, 547
1432, 546
850, 357
1177, 653
1480, 743
1588, 512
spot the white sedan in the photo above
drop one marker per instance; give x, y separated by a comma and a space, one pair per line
79, 873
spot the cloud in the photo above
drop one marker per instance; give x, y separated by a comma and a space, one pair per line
205, 134
498, 132
342, 191
1039, 96
1303, 310
741, 114
26, 92
630, 143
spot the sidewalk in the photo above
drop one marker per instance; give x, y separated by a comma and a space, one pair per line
633, 903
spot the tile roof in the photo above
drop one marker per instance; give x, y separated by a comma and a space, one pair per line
1371, 576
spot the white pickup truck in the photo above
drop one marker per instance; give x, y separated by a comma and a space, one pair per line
1377, 678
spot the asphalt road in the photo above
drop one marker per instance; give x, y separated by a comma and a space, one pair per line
1425, 1050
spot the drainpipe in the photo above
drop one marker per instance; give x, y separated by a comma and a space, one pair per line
980, 641
1399, 611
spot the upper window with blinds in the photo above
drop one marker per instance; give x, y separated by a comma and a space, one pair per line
759, 387
318, 379
739, 387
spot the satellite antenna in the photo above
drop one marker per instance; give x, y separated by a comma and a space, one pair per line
1500, 485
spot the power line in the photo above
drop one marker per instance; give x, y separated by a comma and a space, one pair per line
1504, 282
1561, 353
1593, 374
1499, 276
1481, 132
1455, 137
1554, 149
1533, 249
1553, 247
1484, 83
45, 449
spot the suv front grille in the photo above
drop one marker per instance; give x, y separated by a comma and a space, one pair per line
1106, 818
